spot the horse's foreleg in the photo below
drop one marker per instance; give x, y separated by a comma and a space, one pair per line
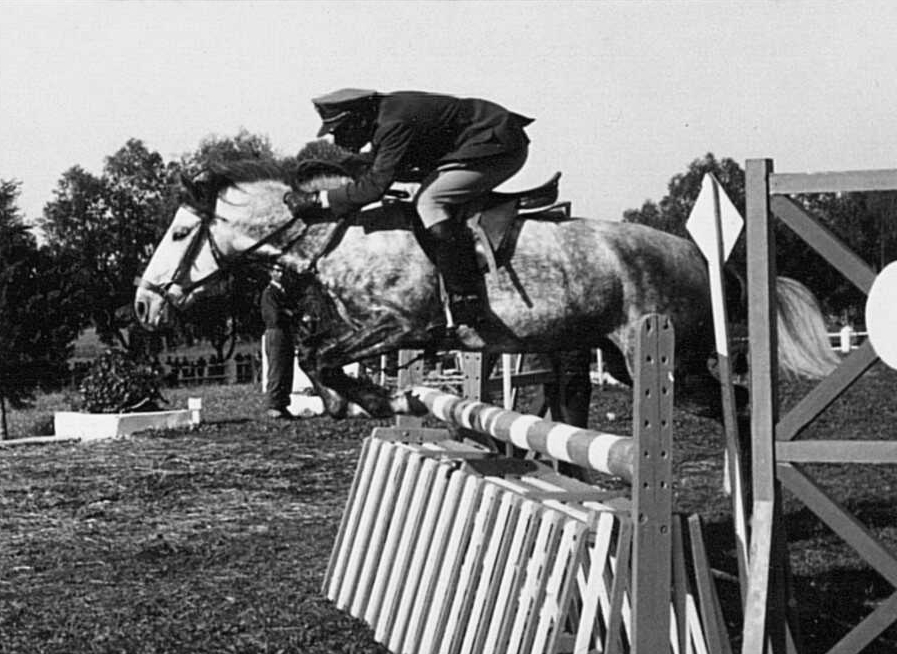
371, 397
335, 404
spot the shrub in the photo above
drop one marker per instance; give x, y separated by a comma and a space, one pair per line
41, 425
116, 383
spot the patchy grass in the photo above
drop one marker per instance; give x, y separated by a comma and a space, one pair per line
216, 539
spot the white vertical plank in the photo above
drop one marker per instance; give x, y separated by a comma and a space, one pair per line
474, 499
407, 542
407, 482
419, 552
360, 546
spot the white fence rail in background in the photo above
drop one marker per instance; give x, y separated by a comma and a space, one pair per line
847, 339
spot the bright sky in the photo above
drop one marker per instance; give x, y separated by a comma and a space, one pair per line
625, 94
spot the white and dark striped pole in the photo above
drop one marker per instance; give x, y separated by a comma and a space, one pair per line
607, 453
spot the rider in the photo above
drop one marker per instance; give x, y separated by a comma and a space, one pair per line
457, 148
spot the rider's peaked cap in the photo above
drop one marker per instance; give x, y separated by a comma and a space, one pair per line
335, 107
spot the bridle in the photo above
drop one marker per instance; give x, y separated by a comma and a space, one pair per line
202, 235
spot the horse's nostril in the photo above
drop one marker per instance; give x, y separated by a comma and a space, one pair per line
140, 309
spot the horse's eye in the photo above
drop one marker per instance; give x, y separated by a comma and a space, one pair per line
180, 233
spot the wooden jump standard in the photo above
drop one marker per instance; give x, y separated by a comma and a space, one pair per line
778, 451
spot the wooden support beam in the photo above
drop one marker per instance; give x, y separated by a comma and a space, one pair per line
833, 182
826, 392
764, 605
652, 486
855, 533
411, 372
846, 451
869, 629
829, 246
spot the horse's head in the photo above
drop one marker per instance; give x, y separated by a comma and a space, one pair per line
227, 217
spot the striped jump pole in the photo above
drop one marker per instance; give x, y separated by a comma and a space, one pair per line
607, 453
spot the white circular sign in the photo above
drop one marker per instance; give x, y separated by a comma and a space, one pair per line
881, 314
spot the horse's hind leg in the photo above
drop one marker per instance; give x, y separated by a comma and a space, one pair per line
571, 394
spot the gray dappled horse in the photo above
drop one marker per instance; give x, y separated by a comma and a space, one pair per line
567, 283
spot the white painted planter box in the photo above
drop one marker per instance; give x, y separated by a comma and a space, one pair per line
93, 426
305, 406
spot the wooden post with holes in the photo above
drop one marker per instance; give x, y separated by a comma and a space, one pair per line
652, 486
410, 373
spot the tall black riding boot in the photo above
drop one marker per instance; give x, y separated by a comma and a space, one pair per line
456, 260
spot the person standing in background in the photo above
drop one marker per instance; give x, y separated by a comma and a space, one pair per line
280, 348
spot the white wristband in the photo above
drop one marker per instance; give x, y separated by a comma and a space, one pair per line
322, 198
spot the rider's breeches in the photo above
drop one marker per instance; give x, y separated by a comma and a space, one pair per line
457, 183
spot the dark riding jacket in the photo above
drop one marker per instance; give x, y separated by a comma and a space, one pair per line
416, 132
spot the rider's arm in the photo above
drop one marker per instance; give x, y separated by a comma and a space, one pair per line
389, 144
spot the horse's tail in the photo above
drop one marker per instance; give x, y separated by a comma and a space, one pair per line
804, 346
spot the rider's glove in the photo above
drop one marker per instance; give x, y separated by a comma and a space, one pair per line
298, 201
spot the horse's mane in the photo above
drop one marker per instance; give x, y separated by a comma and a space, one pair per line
221, 175
318, 165
318, 159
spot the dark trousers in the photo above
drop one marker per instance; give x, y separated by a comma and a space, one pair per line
280, 352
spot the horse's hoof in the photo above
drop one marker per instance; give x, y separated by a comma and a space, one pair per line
335, 405
407, 404
469, 338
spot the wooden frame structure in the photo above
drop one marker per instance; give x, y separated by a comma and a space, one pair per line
495, 554
778, 452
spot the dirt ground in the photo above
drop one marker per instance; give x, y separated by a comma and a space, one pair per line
216, 540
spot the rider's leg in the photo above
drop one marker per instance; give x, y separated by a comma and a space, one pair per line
437, 200
456, 259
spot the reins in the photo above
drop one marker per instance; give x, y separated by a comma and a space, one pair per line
203, 234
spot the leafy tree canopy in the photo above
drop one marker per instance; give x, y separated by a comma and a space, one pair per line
670, 214
109, 226
866, 222
217, 149
104, 228
38, 309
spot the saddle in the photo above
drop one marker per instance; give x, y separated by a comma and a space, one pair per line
494, 219
496, 222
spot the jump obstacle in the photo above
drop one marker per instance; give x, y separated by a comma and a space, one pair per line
780, 448
480, 569
445, 546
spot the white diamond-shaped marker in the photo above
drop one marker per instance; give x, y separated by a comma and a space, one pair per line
701, 223
881, 314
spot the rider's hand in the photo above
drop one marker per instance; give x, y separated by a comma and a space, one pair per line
301, 200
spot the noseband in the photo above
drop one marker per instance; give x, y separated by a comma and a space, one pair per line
203, 234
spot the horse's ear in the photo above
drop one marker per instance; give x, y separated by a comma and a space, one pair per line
198, 187
187, 185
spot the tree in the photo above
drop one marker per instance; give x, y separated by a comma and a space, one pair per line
109, 225
864, 221
216, 149
38, 310
224, 320
683, 189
